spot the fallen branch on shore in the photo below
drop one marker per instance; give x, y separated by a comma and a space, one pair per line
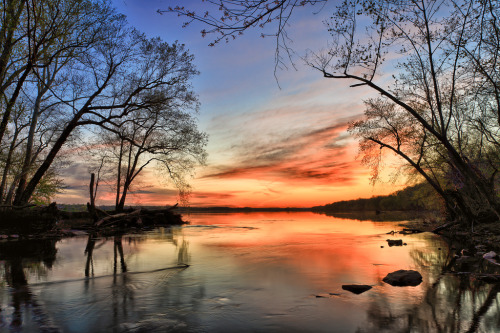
444, 226
118, 218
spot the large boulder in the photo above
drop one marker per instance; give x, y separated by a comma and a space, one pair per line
403, 278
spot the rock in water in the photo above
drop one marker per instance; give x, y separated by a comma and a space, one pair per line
356, 288
403, 278
395, 242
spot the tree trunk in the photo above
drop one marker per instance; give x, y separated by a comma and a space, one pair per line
12, 101
43, 86
121, 204
119, 176
7, 165
29, 147
24, 197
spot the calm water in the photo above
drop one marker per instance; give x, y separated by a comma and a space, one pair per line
255, 272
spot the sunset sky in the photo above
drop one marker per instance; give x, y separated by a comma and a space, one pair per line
270, 144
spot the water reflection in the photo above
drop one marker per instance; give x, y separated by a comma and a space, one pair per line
117, 250
248, 272
16, 256
37, 289
451, 303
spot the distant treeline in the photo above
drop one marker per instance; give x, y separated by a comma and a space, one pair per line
224, 209
212, 209
417, 197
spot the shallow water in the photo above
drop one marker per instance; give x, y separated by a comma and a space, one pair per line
248, 272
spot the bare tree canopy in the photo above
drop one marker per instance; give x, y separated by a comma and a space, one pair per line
167, 139
227, 19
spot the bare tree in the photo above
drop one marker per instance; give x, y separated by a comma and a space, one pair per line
38, 39
165, 138
75, 64
124, 73
436, 93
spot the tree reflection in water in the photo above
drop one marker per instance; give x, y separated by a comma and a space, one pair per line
17, 256
121, 300
451, 303
105, 300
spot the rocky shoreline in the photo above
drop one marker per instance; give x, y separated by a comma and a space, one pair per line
473, 251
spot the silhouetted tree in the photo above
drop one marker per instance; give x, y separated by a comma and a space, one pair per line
76, 64
166, 138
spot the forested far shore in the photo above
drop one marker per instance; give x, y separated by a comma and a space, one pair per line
419, 197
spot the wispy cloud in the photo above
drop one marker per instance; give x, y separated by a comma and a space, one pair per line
318, 155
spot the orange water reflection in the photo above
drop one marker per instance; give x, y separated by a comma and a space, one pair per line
269, 272
313, 250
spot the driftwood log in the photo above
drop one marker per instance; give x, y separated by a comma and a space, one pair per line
119, 218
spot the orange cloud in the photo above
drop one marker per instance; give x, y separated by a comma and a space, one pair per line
319, 156
302, 170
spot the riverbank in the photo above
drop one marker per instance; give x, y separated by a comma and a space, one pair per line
469, 237
50, 222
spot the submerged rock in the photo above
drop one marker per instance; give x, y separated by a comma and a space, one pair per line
403, 278
356, 288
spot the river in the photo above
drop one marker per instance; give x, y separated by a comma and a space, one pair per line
248, 272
